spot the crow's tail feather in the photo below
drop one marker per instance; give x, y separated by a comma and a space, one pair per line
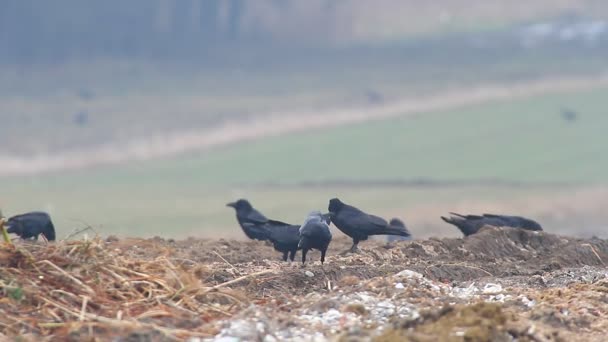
456, 214
449, 220
393, 231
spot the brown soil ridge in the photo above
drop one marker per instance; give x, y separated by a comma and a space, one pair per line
167, 289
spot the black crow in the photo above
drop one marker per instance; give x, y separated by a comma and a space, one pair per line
471, 224
359, 225
32, 224
251, 221
314, 234
284, 237
395, 222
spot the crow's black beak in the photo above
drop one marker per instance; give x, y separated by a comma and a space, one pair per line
231, 204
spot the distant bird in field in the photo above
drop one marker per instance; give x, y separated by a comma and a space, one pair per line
569, 114
314, 234
251, 221
471, 224
359, 225
395, 222
30, 225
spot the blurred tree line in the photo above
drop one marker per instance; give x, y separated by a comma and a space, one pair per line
207, 30
53, 31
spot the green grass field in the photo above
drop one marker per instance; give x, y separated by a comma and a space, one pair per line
131, 100
525, 140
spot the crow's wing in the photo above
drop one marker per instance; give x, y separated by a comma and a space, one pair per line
510, 217
287, 234
509, 220
31, 222
362, 217
517, 221
276, 223
317, 229
256, 231
368, 224
256, 217
378, 221
34, 216
495, 216
493, 221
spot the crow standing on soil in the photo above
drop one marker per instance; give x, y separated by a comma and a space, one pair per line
283, 236
359, 225
395, 222
251, 221
471, 224
314, 234
32, 224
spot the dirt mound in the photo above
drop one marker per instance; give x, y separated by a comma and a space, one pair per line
157, 289
493, 252
503, 252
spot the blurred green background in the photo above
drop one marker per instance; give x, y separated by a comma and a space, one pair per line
148, 124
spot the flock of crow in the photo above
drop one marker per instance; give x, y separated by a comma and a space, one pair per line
314, 233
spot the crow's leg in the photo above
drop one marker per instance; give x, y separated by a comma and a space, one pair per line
285, 255
355, 246
323, 256
292, 255
304, 251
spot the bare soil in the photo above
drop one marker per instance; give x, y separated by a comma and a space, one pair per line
497, 285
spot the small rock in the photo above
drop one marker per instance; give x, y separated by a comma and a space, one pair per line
409, 274
309, 274
356, 308
399, 286
498, 298
527, 302
223, 339
349, 281
492, 288
112, 238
